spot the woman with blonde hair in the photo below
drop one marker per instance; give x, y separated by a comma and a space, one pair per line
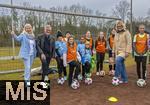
122, 48
27, 49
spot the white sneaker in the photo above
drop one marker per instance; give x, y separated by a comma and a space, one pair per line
80, 77
110, 73
46, 78
113, 72
65, 78
97, 73
102, 73
120, 81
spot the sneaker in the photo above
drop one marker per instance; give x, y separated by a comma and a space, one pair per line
65, 78
80, 77
102, 73
113, 72
46, 78
110, 73
88, 75
97, 73
120, 82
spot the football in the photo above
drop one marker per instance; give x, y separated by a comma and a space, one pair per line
141, 83
115, 81
88, 81
75, 84
60, 81
102, 73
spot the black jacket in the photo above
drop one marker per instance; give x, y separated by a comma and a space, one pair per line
40, 45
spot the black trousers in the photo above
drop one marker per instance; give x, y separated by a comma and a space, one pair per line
86, 68
112, 67
100, 59
74, 68
141, 62
83, 71
61, 67
45, 66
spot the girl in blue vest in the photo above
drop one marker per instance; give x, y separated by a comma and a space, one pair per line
27, 49
61, 50
86, 59
80, 49
86, 54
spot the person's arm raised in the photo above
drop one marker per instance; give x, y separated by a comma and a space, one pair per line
18, 38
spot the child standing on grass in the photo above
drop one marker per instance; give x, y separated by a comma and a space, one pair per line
74, 66
100, 46
141, 51
111, 58
27, 50
61, 50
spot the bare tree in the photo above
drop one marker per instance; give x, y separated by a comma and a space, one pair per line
122, 10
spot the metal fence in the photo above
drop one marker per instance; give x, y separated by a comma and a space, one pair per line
9, 49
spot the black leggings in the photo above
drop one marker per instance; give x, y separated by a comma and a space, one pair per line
111, 67
141, 60
74, 68
61, 67
86, 68
100, 59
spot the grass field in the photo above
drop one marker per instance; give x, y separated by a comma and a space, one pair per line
13, 64
8, 51
18, 76
18, 64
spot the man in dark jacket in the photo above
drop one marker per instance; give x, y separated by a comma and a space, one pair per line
46, 49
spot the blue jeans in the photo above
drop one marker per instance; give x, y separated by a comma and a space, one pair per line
120, 70
28, 64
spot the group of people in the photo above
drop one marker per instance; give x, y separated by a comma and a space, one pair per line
79, 55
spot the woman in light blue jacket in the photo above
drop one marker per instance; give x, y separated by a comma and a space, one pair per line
27, 50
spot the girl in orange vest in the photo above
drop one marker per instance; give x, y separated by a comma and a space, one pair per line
72, 59
111, 58
140, 50
100, 46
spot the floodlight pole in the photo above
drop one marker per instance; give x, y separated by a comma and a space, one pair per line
12, 28
131, 26
131, 10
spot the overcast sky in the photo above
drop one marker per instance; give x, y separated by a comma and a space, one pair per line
140, 7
